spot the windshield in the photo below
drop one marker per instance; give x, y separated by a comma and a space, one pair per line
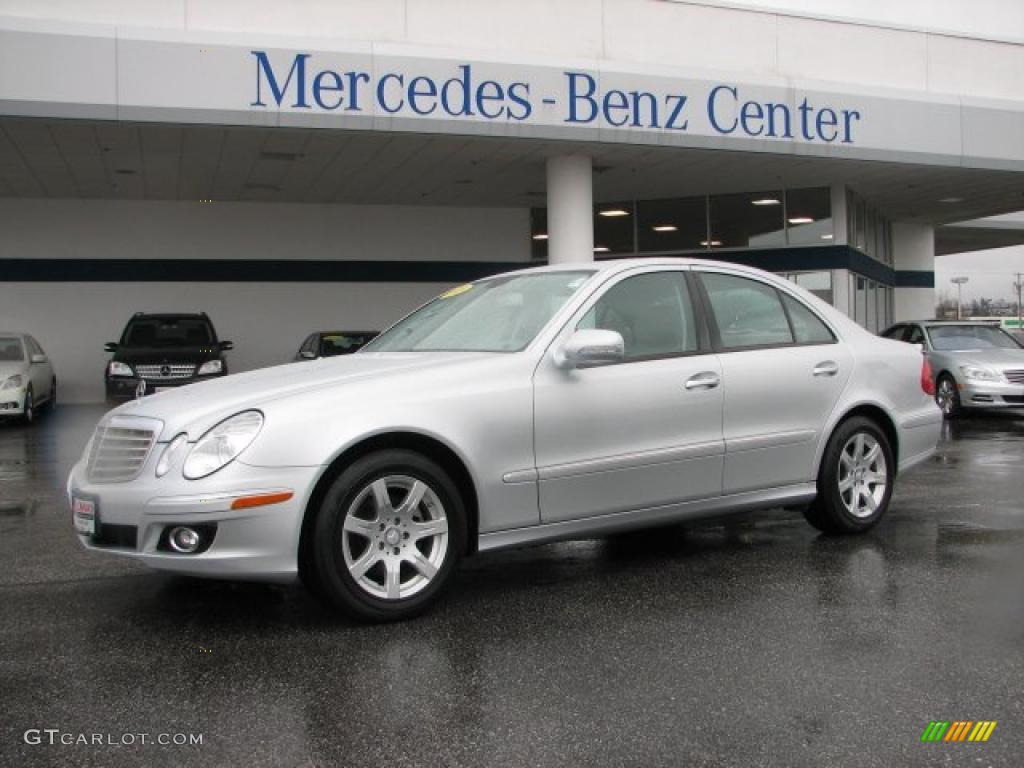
500, 314
167, 332
951, 338
11, 350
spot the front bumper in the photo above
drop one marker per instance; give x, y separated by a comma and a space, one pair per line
12, 402
125, 387
259, 543
990, 394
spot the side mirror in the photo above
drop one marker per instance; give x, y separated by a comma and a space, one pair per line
590, 347
110, 346
38, 358
307, 354
226, 346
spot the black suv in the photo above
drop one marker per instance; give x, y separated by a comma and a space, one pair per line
160, 351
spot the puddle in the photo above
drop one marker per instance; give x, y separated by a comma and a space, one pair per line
966, 533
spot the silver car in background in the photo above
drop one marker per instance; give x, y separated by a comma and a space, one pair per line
533, 406
975, 364
27, 380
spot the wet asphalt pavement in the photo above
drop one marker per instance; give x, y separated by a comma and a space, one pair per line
756, 643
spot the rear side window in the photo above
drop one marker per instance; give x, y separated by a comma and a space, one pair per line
914, 335
652, 312
748, 313
807, 326
895, 333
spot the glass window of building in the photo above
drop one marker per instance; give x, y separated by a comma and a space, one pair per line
818, 283
539, 234
680, 224
614, 228
809, 216
748, 220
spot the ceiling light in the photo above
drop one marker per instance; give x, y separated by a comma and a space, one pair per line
766, 201
800, 220
828, 236
540, 236
951, 200
600, 249
712, 243
666, 228
613, 212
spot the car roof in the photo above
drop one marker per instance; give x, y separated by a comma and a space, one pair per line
344, 333
956, 322
622, 265
170, 316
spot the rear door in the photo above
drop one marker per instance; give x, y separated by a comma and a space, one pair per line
782, 373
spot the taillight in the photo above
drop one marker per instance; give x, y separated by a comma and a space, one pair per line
927, 377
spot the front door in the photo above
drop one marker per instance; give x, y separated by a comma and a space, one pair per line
642, 433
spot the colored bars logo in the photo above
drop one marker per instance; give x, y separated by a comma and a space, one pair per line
958, 730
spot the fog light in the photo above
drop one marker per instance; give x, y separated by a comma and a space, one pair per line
184, 540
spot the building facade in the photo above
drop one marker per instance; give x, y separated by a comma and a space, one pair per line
291, 166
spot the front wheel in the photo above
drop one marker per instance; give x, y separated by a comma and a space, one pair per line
388, 535
947, 397
855, 481
29, 414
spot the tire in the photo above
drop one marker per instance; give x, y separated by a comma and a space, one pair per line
370, 566
51, 403
855, 481
947, 397
29, 415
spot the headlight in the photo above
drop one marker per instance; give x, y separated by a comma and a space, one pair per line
171, 454
210, 366
222, 444
978, 373
14, 382
120, 369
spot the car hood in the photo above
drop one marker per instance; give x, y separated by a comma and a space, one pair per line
197, 407
10, 368
992, 358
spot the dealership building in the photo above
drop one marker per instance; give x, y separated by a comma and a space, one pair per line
289, 167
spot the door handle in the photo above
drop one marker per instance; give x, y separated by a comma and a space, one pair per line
705, 380
827, 368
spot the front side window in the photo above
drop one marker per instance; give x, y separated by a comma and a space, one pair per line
807, 326
334, 344
748, 313
952, 338
499, 314
11, 350
652, 312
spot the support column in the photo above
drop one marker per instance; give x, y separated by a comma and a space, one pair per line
913, 247
570, 196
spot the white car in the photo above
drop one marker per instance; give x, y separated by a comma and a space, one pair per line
27, 380
546, 404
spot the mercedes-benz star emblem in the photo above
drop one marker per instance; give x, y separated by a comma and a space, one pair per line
165, 371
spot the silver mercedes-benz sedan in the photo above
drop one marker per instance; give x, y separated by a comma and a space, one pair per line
975, 364
551, 403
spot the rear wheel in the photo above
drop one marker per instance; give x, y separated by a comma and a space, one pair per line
947, 396
388, 535
855, 481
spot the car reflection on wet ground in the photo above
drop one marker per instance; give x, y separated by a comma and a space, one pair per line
750, 642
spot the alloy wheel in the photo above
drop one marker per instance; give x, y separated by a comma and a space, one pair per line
863, 475
395, 537
945, 396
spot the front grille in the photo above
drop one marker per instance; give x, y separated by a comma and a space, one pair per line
119, 453
1014, 377
165, 371
120, 536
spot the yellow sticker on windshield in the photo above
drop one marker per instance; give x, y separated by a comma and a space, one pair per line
457, 291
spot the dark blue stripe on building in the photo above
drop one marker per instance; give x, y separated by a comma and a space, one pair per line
313, 271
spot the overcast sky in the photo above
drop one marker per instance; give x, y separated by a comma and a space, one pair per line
990, 273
